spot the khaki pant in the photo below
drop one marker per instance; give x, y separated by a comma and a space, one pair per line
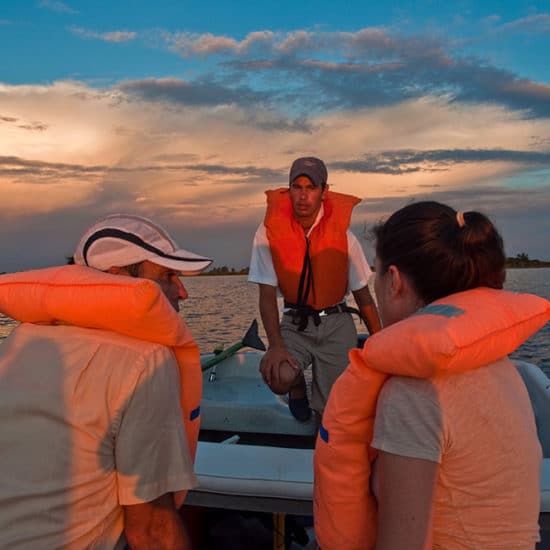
324, 347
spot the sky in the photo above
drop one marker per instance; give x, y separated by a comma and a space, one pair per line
186, 112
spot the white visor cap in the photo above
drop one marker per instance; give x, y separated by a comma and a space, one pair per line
121, 240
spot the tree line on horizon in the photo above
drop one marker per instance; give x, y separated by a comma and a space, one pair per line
522, 260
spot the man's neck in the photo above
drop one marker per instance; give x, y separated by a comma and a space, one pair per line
308, 223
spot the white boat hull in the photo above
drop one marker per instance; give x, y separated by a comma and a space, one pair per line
275, 475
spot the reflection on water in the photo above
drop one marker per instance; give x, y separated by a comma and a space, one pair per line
220, 309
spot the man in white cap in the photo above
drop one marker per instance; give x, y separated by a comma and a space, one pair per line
93, 440
135, 246
305, 251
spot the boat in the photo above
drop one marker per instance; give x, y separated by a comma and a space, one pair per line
253, 455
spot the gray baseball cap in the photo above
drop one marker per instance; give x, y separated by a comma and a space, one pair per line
311, 167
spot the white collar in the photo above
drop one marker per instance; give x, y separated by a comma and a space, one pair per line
317, 220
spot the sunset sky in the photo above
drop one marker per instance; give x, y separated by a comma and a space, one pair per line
186, 112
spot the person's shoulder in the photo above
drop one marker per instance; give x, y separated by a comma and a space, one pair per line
125, 346
260, 235
353, 241
406, 387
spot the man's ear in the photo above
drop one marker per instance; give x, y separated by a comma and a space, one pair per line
325, 189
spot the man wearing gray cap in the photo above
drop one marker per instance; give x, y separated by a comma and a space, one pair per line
305, 251
96, 428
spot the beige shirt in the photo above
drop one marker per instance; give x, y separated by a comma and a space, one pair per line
89, 421
479, 426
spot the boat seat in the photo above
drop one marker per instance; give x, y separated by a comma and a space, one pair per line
255, 478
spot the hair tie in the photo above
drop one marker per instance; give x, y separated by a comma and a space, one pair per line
460, 218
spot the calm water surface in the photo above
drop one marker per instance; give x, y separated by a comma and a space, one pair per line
220, 309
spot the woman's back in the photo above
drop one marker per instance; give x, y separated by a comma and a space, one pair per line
479, 427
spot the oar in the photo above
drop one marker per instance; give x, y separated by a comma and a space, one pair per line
251, 340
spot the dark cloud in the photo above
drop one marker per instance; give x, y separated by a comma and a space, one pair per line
45, 171
399, 162
521, 215
203, 92
40, 172
281, 124
39, 240
34, 127
246, 172
408, 160
175, 157
368, 68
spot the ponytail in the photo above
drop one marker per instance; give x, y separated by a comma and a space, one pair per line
442, 251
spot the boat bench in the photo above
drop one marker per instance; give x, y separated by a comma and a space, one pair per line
253, 478
273, 479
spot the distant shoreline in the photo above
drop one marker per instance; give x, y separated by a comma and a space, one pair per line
511, 263
514, 263
532, 264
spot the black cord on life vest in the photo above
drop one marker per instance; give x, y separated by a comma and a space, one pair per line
306, 279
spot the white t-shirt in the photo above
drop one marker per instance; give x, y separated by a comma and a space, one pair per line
89, 421
479, 426
261, 263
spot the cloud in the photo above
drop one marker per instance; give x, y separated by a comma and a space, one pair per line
203, 170
316, 71
305, 72
56, 5
406, 161
14, 166
199, 93
113, 36
536, 23
191, 44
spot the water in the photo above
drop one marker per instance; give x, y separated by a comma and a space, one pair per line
537, 281
220, 309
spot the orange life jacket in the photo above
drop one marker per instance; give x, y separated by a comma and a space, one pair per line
328, 247
463, 331
85, 297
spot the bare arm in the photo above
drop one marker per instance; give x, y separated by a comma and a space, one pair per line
368, 310
405, 502
277, 352
155, 525
270, 315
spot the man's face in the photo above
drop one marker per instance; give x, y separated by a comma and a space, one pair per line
306, 200
168, 280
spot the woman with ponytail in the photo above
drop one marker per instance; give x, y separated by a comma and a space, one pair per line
428, 440
459, 458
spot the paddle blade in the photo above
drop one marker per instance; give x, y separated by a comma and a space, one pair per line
251, 338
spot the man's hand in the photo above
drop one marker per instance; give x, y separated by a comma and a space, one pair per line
155, 525
279, 369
